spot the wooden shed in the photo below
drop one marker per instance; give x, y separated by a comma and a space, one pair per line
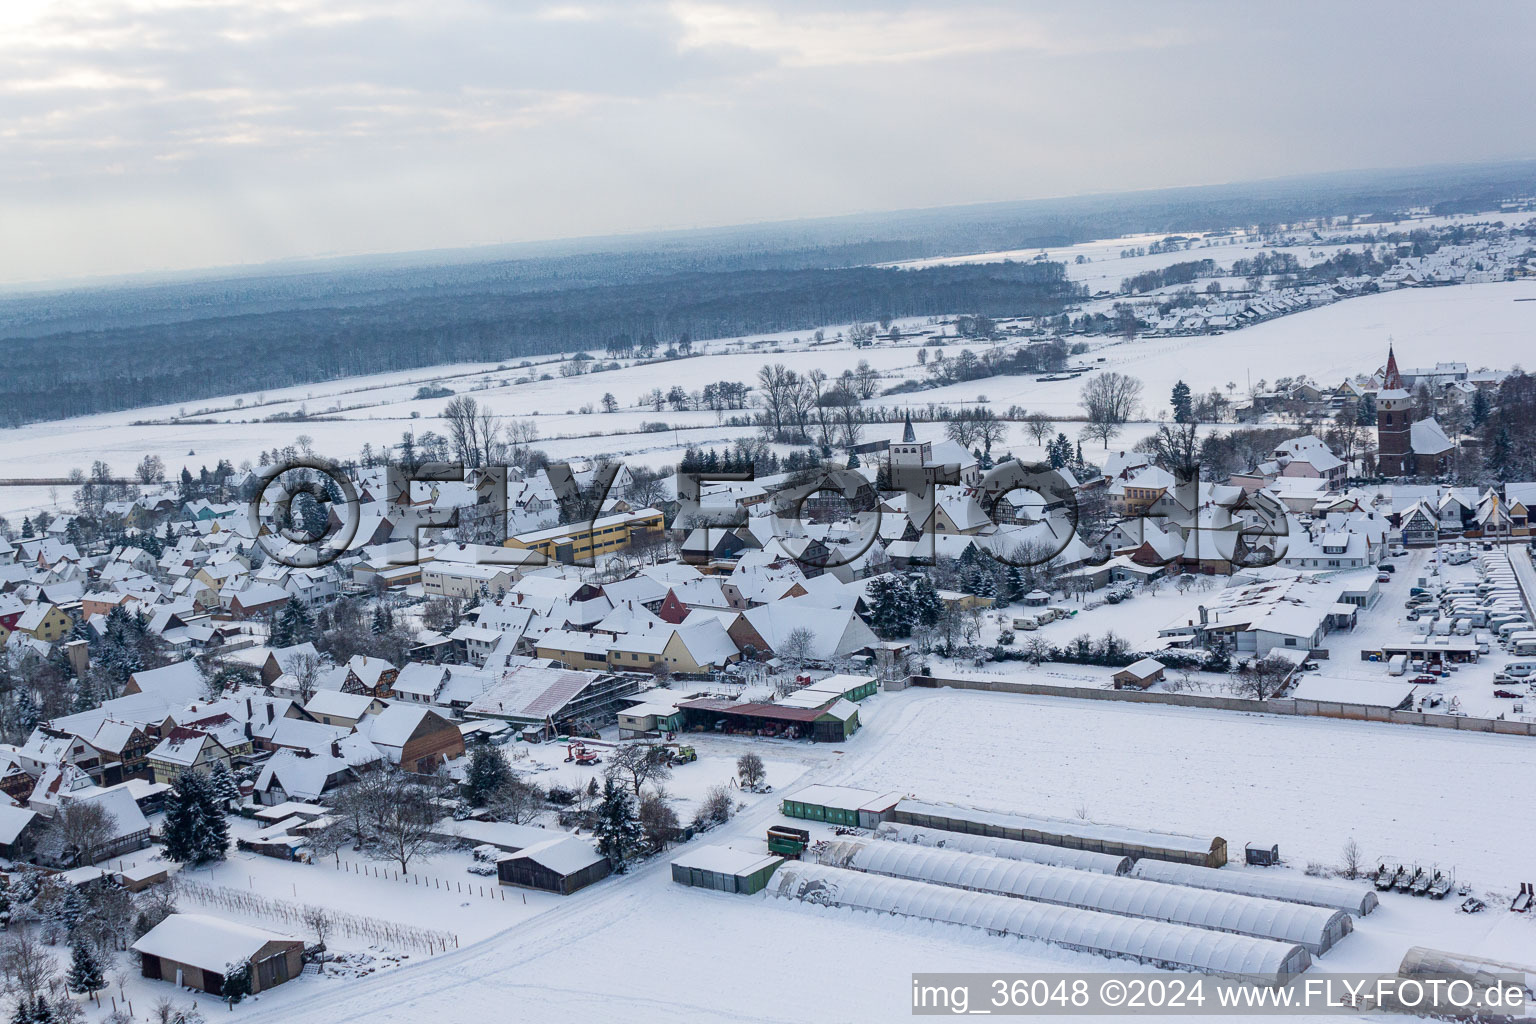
561, 865
1139, 674
196, 951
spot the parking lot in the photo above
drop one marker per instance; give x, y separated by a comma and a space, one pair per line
1465, 688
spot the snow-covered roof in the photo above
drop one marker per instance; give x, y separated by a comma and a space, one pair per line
1312, 927
1011, 849
393, 726
209, 943
1292, 888
1111, 834
339, 704
564, 855
181, 683
723, 860
1154, 942
12, 821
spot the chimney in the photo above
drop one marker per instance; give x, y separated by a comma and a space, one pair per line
336, 748
1204, 616
271, 714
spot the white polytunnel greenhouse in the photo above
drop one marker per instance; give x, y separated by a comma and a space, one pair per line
1174, 946
1316, 928
1358, 900
1120, 840
1010, 849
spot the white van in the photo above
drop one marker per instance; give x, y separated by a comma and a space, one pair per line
1484, 643
1028, 623
1520, 669
1463, 627
1517, 626
1397, 664
1523, 648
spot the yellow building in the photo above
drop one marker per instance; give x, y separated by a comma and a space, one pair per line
584, 542
45, 622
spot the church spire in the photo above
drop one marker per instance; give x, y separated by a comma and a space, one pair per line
1392, 379
908, 435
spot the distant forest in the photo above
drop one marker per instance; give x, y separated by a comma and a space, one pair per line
81, 372
102, 348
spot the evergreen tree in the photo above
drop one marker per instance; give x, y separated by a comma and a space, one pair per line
1365, 412
487, 772
1059, 451
26, 528
1480, 407
618, 826
892, 612
1013, 584
237, 982
27, 715
294, 625
1183, 404
69, 909
222, 785
927, 605
195, 830
5, 904
381, 620
984, 585
85, 973
1501, 455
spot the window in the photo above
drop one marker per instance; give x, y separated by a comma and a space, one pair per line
1290, 641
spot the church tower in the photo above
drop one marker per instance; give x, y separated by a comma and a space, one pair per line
910, 451
1394, 422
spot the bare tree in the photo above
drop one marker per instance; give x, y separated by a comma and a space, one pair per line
517, 801
636, 764
1352, 858
318, 920
305, 667
989, 429
797, 647
751, 771
1100, 430
659, 823
1264, 678
1040, 426
1111, 397
716, 808
405, 828
84, 828
385, 812
1176, 447
472, 430
27, 967
961, 430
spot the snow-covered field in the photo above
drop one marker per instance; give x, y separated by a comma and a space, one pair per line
640, 947
1482, 324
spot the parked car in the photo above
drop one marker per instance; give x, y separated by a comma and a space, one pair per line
1387, 567
1383, 577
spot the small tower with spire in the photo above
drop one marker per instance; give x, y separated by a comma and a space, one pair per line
910, 451
1394, 421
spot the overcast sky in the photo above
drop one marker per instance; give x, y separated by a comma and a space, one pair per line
168, 134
